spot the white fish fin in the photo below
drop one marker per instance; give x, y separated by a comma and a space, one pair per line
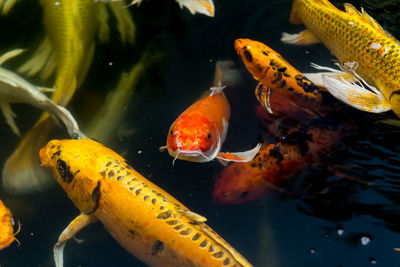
357, 95
77, 224
363, 15
305, 37
10, 54
205, 7
163, 148
64, 115
9, 115
43, 56
316, 77
6, 5
216, 90
239, 156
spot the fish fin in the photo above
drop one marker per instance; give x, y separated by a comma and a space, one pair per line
191, 215
103, 32
392, 122
294, 17
263, 96
316, 77
6, 6
163, 148
305, 37
77, 224
205, 7
64, 115
356, 95
22, 172
239, 156
126, 26
363, 15
216, 90
9, 115
10, 54
42, 61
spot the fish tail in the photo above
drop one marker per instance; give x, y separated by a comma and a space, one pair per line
22, 172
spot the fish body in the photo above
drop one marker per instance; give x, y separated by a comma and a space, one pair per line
277, 76
362, 47
198, 133
275, 163
7, 235
148, 222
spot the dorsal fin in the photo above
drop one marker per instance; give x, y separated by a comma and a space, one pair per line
363, 15
191, 215
326, 3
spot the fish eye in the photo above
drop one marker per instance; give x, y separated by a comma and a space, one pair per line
63, 170
209, 136
244, 194
248, 55
171, 132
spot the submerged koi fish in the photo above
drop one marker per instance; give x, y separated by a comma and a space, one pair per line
205, 7
275, 163
7, 235
66, 52
363, 48
198, 133
145, 220
275, 74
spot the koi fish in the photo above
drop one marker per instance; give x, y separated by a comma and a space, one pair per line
7, 234
364, 49
276, 75
275, 163
198, 133
145, 220
66, 53
205, 7
15, 89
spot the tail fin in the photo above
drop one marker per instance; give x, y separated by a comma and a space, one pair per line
245, 156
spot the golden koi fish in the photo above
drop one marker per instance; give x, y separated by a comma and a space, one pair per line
362, 47
148, 222
7, 235
67, 52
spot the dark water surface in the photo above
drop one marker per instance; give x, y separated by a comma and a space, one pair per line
325, 224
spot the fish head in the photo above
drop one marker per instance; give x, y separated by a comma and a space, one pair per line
238, 183
256, 56
193, 137
75, 165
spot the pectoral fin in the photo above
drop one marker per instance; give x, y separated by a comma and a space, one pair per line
305, 37
316, 77
356, 95
263, 94
72, 229
225, 158
9, 115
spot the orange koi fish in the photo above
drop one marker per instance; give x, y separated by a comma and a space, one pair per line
275, 74
275, 163
145, 220
7, 235
198, 133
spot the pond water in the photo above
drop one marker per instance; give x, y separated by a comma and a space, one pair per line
347, 223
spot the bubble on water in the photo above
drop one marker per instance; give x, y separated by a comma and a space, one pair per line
365, 240
372, 260
312, 250
110, 63
340, 230
139, 151
57, 3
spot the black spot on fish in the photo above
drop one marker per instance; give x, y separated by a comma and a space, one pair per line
56, 154
278, 78
157, 248
265, 53
286, 75
259, 67
103, 173
96, 197
290, 89
282, 84
306, 84
248, 56
132, 233
108, 164
111, 174
282, 69
276, 153
64, 171
164, 215
300, 139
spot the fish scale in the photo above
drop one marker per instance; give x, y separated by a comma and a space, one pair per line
145, 220
355, 37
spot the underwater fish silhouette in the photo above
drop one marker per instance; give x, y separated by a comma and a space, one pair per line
66, 52
199, 132
7, 234
205, 7
363, 48
148, 222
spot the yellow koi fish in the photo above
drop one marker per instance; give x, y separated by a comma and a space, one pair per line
7, 235
363, 48
66, 52
145, 220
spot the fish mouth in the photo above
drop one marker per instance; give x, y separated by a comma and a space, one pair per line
190, 155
